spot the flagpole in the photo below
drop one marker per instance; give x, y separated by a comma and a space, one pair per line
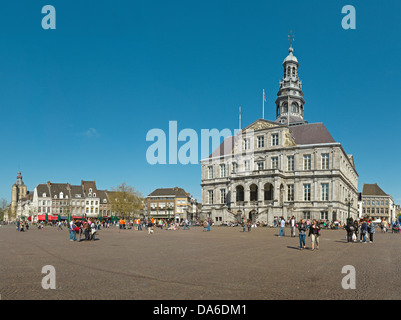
263, 114
240, 117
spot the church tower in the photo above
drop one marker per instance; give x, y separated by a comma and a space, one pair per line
19, 190
290, 102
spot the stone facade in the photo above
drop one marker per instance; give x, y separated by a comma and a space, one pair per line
282, 168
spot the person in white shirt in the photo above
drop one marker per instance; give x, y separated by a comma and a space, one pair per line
293, 226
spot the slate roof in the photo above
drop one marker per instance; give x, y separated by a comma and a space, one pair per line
303, 134
176, 192
43, 188
312, 133
372, 190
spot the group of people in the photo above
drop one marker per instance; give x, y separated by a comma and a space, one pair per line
87, 227
363, 227
22, 225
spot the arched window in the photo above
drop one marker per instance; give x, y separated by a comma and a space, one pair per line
284, 108
239, 190
253, 190
268, 189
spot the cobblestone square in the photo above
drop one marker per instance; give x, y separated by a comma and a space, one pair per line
224, 263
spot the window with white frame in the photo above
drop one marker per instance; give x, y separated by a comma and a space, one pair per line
325, 192
235, 167
210, 172
306, 215
261, 165
307, 192
247, 143
325, 161
222, 170
275, 139
222, 196
261, 141
210, 197
290, 192
324, 215
307, 162
290, 163
274, 162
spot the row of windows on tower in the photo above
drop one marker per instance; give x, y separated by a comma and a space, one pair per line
294, 108
291, 71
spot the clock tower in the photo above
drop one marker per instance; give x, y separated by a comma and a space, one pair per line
290, 102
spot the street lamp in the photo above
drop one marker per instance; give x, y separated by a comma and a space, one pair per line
349, 201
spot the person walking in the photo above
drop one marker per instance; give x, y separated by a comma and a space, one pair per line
314, 233
249, 224
350, 229
282, 226
371, 230
356, 231
364, 230
186, 224
302, 234
292, 224
73, 233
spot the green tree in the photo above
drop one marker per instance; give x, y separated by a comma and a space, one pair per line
125, 201
3, 207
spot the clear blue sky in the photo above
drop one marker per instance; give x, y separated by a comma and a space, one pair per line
77, 102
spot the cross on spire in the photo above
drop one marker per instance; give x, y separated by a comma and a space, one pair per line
291, 38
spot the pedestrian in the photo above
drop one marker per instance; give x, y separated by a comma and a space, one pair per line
186, 224
350, 229
59, 227
150, 227
86, 227
364, 229
302, 234
72, 230
18, 225
205, 225
292, 224
314, 233
282, 226
356, 226
249, 225
371, 230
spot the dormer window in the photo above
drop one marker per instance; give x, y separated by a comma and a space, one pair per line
61, 195
44, 195
94, 195
90, 190
55, 197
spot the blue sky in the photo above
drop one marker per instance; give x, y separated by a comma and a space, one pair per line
78, 101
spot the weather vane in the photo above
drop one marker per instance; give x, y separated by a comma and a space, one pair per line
291, 38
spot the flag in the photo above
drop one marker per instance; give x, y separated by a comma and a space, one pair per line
264, 95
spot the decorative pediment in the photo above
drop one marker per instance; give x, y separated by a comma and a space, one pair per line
261, 124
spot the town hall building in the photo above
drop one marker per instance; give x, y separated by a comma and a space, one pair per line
282, 168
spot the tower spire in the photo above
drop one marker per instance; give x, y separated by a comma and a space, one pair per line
291, 38
290, 102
